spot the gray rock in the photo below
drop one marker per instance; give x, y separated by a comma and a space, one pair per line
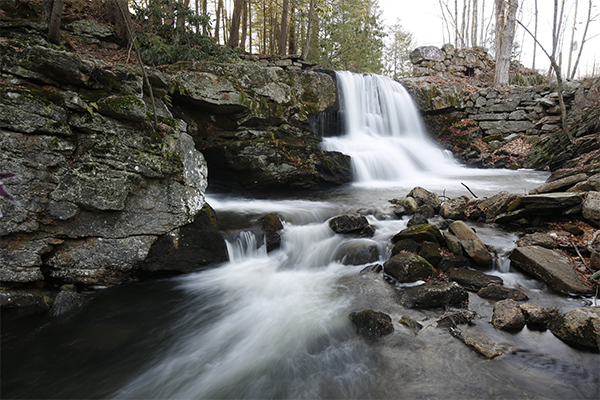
434, 295
471, 244
479, 342
496, 291
454, 208
423, 196
537, 239
591, 207
550, 267
358, 253
580, 327
128, 107
498, 204
559, 185
538, 317
270, 226
406, 245
348, 223
472, 280
507, 315
66, 302
449, 262
432, 252
417, 219
420, 233
550, 203
410, 205
408, 267
372, 324
453, 243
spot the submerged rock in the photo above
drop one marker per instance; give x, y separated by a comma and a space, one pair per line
472, 280
411, 324
580, 326
66, 302
372, 324
433, 295
496, 291
359, 252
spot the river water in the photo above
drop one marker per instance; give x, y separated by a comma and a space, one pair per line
276, 325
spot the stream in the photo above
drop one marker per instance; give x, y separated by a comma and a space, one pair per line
275, 325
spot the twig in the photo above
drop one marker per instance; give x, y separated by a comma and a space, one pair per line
592, 240
579, 254
470, 191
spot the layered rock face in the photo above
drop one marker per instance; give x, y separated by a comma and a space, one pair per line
101, 197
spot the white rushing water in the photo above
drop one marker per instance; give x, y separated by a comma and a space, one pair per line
275, 325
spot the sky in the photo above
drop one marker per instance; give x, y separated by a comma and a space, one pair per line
423, 19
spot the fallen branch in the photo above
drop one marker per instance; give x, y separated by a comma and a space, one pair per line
470, 191
579, 254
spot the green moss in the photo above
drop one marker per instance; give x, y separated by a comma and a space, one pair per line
491, 138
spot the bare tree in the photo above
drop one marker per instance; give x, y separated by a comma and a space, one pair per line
535, 33
474, 24
572, 37
584, 37
506, 13
311, 13
54, 17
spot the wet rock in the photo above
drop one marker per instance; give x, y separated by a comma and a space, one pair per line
189, 248
537, 239
408, 267
559, 185
38, 300
496, 291
348, 223
479, 342
431, 252
538, 317
418, 218
472, 280
452, 318
66, 302
580, 327
454, 208
472, 244
507, 315
550, 267
406, 245
433, 295
515, 217
591, 207
270, 225
372, 324
498, 204
453, 243
358, 253
410, 205
449, 262
411, 324
374, 269
420, 233
423, 196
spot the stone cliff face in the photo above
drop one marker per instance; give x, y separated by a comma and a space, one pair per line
100, 197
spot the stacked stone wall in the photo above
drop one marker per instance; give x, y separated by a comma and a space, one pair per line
430, 60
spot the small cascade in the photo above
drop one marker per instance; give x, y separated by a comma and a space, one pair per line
245, 245
384, 134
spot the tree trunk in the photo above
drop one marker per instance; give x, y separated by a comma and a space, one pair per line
474, 25
54, 24
506, 16
583, 39
572, 38
535, 33
311, 12
234, 32
284, 28
205, 12
114, 15
292, 31
218, 20
244, 25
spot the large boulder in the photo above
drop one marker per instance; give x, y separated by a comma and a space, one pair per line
348, 223
538, 317
591, 207
408, 267
559, 185
472, 244
434, 294
496, 291
424, 196
454, 208
550, 267
580, 327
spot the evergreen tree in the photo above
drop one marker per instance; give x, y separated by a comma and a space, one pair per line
397, 52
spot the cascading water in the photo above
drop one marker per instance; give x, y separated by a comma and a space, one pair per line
384, 133
275, 325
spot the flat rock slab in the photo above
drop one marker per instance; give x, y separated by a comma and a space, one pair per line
559, 184
550, 267
478, 342
550, 202
472, 280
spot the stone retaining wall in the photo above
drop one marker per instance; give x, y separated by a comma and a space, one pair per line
430, 60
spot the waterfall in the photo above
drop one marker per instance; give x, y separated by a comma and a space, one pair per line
384, 134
